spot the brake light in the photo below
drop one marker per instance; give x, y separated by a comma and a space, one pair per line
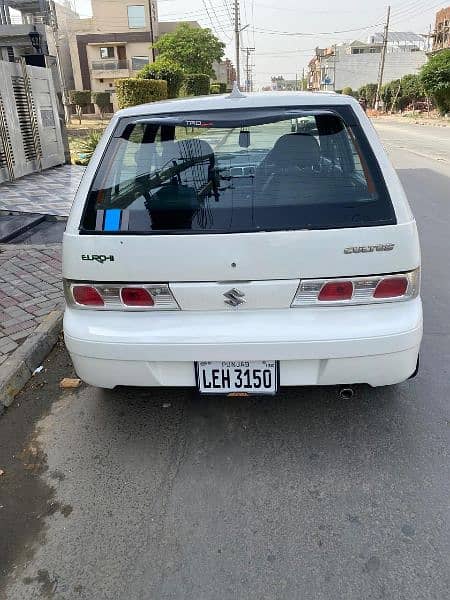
119, 296
358, 290
87, 295
336, 291
394, 287
136, 296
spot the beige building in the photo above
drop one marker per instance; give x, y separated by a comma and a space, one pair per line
115, 42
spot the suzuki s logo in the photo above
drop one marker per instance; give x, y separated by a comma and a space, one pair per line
234, 297
365, 249
101, 258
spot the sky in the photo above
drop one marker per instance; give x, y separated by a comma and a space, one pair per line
284, 33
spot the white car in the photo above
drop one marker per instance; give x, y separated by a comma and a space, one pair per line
242, 243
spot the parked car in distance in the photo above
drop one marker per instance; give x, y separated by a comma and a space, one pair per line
241, 243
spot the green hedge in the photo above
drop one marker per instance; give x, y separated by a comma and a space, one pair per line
166, 70
131, 92
219, 87
80, 97
101, 99
196, 84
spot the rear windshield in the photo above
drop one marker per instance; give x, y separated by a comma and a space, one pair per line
237, 171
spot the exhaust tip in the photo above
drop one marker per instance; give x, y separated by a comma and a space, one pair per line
346, 393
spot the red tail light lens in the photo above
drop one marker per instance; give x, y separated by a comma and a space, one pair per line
335, 291
87, 295
373, 289
392, 287
134, 296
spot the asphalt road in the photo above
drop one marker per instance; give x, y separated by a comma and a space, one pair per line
150, 495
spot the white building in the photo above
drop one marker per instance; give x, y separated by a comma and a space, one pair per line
356, 64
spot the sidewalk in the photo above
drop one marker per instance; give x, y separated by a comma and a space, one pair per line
50, 192
31, 298
30, 288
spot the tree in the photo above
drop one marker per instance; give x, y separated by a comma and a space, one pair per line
81, 99
435, 78
391, 94
102, 100
193, 49
368, 92
347, 91
412, 90
166, 69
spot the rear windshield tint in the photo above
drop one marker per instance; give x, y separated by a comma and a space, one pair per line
237, 171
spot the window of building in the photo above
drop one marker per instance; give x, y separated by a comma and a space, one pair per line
107, 52
101, 80
136, 16
138, 62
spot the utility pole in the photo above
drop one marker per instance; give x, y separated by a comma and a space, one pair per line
152, 33
248, 68
334, 67
237, 42
383, 59
303, 80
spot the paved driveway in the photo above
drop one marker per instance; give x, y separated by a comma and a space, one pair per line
50, 192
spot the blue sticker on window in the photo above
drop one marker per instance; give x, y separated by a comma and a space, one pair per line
112, 219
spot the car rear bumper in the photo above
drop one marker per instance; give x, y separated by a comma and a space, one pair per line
377, 345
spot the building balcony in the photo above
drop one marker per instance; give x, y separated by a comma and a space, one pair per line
110, 68
18, 34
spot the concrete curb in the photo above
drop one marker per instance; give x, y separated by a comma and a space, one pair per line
19, 367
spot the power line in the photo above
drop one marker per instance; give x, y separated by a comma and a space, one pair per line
253, 21
219, 22
228, 10
284, 52
306, 33
245, 16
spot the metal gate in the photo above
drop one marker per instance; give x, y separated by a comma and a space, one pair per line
30, 130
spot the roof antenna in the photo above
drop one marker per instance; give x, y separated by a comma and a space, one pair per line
236, 93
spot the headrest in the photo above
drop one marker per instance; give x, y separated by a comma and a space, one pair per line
295, 149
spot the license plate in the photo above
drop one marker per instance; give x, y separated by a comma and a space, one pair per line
226, 377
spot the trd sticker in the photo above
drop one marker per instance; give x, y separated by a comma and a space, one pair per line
101, 258
198, 124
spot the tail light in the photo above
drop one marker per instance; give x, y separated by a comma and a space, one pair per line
131, 296
334, 291
358, 290
394, 287
87, 295
115, 296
